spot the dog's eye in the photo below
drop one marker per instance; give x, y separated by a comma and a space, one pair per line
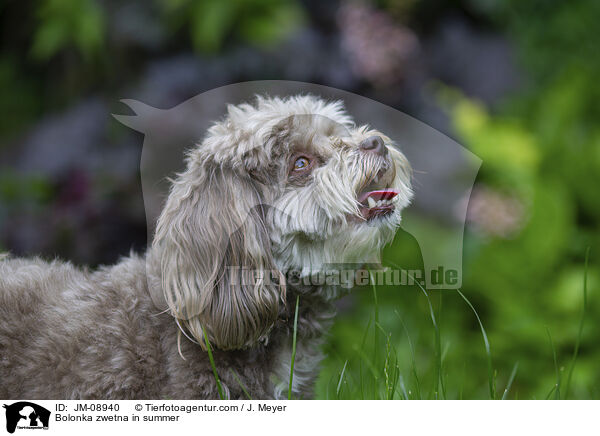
301, 163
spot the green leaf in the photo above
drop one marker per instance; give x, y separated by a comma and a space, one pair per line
211, 22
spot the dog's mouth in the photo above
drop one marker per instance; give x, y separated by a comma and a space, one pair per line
374, 204
376, 199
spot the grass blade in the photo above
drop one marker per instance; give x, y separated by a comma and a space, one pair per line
376, 333
491, 378
579, 333
365, 358
510, 381
339, 385
237, 378
391, 371
556, 388
360, 371
294, 339
214, 367
403, 388
412, 356
438, 347
549, 393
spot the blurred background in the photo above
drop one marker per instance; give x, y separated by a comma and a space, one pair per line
514, 82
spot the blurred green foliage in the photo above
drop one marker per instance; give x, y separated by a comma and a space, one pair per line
80, 24
65, 24
18, 100
59, 50
541, 146
211, 22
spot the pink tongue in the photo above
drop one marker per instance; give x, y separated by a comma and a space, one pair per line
386, 194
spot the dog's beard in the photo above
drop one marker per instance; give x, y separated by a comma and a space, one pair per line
330, 221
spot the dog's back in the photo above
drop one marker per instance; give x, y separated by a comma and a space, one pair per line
71, 333
67, 333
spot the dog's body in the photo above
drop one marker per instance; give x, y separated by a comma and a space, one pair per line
69, 334
275, 191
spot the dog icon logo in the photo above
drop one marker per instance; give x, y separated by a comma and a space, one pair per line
26, 415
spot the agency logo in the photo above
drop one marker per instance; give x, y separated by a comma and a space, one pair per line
26, 415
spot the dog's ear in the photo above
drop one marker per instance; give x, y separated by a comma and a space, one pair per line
217, 271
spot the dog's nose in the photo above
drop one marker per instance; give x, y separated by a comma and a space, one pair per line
374, 144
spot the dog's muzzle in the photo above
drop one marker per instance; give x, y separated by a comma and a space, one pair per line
376, 199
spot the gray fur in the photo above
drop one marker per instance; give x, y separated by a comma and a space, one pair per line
137, 329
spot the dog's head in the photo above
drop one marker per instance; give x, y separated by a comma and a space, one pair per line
282, 185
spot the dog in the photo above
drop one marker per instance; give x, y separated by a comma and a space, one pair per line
277, 191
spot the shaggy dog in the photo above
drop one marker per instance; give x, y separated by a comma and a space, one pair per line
277, 192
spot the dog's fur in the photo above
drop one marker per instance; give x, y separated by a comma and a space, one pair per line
238, 223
